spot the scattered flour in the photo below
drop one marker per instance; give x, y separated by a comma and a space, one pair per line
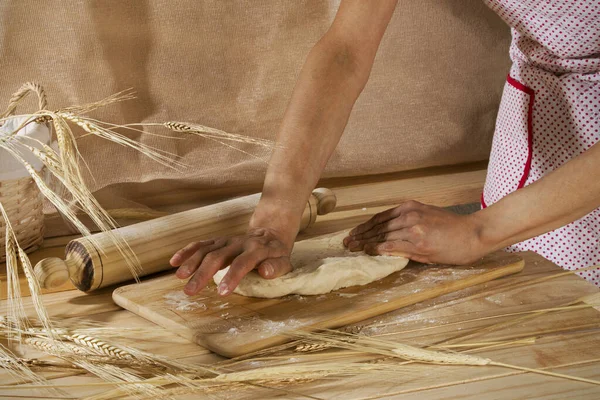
179, 301
233, 331
270, 328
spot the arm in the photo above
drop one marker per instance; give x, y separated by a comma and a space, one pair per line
334, 74
561, 197
431, 234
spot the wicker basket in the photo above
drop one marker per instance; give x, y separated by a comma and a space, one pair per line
23, 203
21, 197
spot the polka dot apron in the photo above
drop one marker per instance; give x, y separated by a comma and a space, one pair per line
549, 114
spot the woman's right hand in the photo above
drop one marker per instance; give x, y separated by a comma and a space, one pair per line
261, 248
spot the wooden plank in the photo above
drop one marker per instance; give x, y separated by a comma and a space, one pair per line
238, 325
422, 324
441, 186
416, 181
440, 190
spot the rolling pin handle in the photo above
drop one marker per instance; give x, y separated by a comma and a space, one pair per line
51, 272
326, 200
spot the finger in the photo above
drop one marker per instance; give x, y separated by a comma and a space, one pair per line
400, 234
400, 248
190, 265
243, 264
187, 251
378, 231
211, 263
375, 220
274, 267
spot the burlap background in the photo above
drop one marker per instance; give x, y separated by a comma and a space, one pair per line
432, 98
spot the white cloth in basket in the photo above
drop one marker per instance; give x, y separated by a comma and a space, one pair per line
11, 168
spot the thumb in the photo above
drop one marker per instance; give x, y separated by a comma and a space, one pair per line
274, 267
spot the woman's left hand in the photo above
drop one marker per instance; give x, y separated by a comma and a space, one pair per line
422, 233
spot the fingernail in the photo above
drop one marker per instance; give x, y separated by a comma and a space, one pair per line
223, 289
174, 260
182, 273
269, 270
191, 287
352, 244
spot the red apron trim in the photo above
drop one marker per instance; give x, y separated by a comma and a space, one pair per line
531, 93
519, 86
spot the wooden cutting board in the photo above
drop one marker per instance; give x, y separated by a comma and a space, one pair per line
237, 325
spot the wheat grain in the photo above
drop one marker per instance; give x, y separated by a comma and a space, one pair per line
212, 133
99, 345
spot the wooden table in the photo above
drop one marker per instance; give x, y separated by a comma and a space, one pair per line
566, 342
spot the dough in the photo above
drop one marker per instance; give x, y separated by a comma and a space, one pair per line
320, 266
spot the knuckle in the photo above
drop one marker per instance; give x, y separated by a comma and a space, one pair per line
412, 204
381, 217
416, 231
412, 216
242, 263
200, 276
239, 272
358, 237
190, 247
213, 258
276, 252
379, 228
422, 246
359, 229
252, 245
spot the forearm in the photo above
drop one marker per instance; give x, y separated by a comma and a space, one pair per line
332, 78
561, 197
312, 126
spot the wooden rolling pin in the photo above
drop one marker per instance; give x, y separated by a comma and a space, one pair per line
155, 241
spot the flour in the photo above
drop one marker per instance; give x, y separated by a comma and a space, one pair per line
232, 331
179, 301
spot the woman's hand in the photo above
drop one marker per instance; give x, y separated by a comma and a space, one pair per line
260, 248
422, 233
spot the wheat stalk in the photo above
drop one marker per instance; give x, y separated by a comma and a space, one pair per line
160, 156
82, 350
314, 347
212, 133
74, 183
416, 354
28, 87
124, 95
14, 252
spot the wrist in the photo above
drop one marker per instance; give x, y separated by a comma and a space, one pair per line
485, 238
277, 218
491, 234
